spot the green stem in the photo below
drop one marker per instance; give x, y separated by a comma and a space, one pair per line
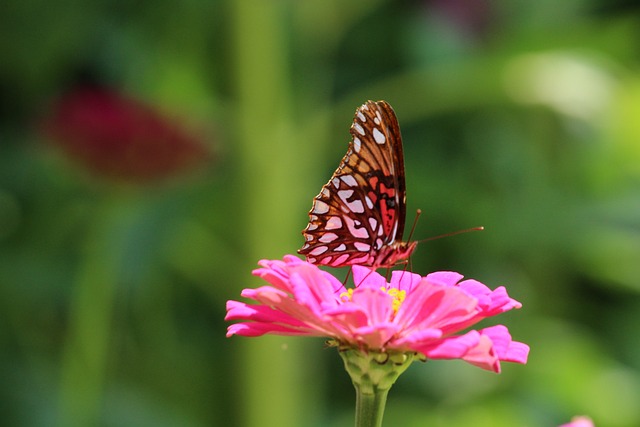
370, 407
373, 373
84, 358
272, 369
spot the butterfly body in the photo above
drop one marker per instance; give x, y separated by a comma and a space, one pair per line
358, 217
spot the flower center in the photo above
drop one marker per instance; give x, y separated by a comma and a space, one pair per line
397, 295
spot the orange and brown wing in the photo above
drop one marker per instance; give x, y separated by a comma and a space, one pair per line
362, 207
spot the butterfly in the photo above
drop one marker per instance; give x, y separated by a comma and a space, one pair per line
358, 217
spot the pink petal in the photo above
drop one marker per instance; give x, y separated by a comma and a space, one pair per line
448, 278
278, 273
266, 295
347, 316
434, 306
376, 336
418, 339
259, 313
404, 280
275, 321
580, 421
483, 355
274, 273
311, 288
376, 303
451, 347
506, 349
490, 302
289, 307
255, 329
364, 276
471, 347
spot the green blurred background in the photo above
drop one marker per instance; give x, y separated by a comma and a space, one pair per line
520, 116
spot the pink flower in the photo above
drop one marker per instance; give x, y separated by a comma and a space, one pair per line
409, 314
580, 421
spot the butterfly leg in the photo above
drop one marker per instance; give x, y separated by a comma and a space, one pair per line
365, 278
407, 263
344, 283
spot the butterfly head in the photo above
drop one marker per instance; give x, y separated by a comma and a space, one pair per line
393, 254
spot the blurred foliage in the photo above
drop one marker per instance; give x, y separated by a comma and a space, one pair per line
518, 116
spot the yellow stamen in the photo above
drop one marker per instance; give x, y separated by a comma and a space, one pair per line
397, 295
346, 296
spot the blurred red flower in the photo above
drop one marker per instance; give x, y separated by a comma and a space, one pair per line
471, 17
121, 137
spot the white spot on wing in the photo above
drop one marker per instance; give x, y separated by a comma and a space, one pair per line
325, 192
373, 223
369, 202
328, 237
358, 129
365, 259
393, 233
320, 207
362, 246
312, 227
378, 118
334, 223
360, 233
341, 259
349, 180
356, 144
378, 136
345, 194
362, 117
340, 248
319, 250
356, 206
336, 182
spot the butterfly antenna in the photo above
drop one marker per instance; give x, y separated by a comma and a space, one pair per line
415, 222
407, 262
452, 234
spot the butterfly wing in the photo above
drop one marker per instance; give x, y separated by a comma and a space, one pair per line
362, 207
